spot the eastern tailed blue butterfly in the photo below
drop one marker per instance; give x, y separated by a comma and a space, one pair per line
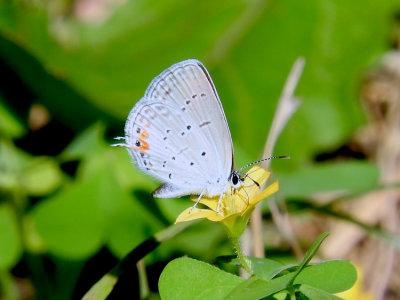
178, 134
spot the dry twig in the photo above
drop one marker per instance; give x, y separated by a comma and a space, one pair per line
287, 106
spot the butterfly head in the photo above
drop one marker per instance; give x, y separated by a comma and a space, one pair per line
236, 180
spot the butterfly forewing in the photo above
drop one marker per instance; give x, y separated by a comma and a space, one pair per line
178, 132
189, 86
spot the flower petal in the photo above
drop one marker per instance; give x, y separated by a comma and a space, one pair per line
249, 188
210, 202
265, 193
243, 200
197, 213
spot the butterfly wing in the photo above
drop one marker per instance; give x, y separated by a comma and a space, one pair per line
188, 85
178, 133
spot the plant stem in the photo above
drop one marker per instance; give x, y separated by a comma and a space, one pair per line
242, 258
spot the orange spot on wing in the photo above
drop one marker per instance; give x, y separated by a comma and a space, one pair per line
143, 135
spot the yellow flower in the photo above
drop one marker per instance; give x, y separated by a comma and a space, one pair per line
235, 208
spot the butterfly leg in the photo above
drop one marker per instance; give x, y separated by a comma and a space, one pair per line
219, 203
198, 200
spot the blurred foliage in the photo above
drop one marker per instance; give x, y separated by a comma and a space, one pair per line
66, 196
110, 64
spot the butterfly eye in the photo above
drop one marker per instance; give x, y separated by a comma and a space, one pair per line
236, 180
138, 143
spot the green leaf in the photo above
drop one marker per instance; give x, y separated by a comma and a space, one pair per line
129, 224
328, 277
86, 144
94, 210
264, 268
332, 276
186, 278
256, 288
96, 155
36, 176
10, 240
13, 161
248, 47
317, 294
42, 176
71, 223
10, 126
329, 177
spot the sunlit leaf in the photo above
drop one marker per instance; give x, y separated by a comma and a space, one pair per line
10, 241
332, 276
41, 177
186, 278
72, 223
314, 293
10, 126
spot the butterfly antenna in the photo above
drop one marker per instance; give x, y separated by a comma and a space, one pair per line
264, 159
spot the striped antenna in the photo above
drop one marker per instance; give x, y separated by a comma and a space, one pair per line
264, 159
119, 138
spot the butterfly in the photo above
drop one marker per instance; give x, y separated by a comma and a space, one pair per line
178, 134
